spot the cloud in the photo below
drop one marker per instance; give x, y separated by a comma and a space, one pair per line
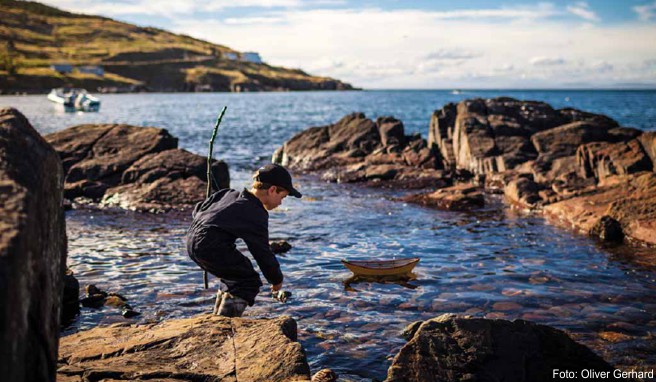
646, 12
582, 9
541, 10
547, 61
453, 54
253, 20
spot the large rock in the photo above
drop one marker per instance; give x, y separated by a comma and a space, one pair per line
601, 160
440, 132
201, 348
495, 135
134, 167
456, 348
357, 149
166, 180
32, 251
353, 136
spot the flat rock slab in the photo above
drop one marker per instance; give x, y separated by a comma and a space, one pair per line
201, 348
462, 197
459, 348
630, 200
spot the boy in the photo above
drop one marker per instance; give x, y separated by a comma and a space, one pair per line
227, 215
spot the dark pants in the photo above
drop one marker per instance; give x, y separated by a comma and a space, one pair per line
234, 270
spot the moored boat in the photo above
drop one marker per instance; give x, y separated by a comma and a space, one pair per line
74, 99
381, 267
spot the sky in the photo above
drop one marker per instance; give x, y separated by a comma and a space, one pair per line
421, 44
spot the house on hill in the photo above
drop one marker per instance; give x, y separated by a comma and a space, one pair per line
253, 57
62, 68
92, 69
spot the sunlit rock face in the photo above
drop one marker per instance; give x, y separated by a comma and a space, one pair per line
203, 347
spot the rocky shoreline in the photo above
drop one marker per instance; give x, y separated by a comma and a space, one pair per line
578, 169
142, 169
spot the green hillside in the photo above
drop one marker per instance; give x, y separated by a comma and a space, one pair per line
33, 36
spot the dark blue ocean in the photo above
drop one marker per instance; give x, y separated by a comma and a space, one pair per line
495, 263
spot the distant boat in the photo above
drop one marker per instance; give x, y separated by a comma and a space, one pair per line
455, 91
73, 99
395, 267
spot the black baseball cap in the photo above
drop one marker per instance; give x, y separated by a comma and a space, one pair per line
276, 175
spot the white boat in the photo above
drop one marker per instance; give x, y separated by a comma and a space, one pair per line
73, 99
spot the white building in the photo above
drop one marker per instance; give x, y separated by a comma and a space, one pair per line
251, 57
92, 69
62, 68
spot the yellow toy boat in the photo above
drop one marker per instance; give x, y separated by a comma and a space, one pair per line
381, 267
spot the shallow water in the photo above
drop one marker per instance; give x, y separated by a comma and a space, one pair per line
494, 263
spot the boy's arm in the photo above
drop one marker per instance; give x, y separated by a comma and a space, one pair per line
257, 241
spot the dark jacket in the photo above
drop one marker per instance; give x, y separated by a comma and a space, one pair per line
227, 215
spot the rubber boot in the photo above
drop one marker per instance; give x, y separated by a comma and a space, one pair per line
217, 303
232, 306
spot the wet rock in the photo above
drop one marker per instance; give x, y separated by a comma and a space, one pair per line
457, 348
97, 298
280, 246
608, 229
204, 347
523, 192
71, 298
137, 168
128, 312
32, 251
462, 197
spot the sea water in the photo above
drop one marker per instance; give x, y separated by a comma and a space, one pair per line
493, 263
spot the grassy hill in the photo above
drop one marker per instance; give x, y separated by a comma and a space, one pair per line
33, 36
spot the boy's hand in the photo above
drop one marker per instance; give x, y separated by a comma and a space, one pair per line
277, 287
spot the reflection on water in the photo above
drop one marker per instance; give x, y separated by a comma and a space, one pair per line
492, 264
403, 281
